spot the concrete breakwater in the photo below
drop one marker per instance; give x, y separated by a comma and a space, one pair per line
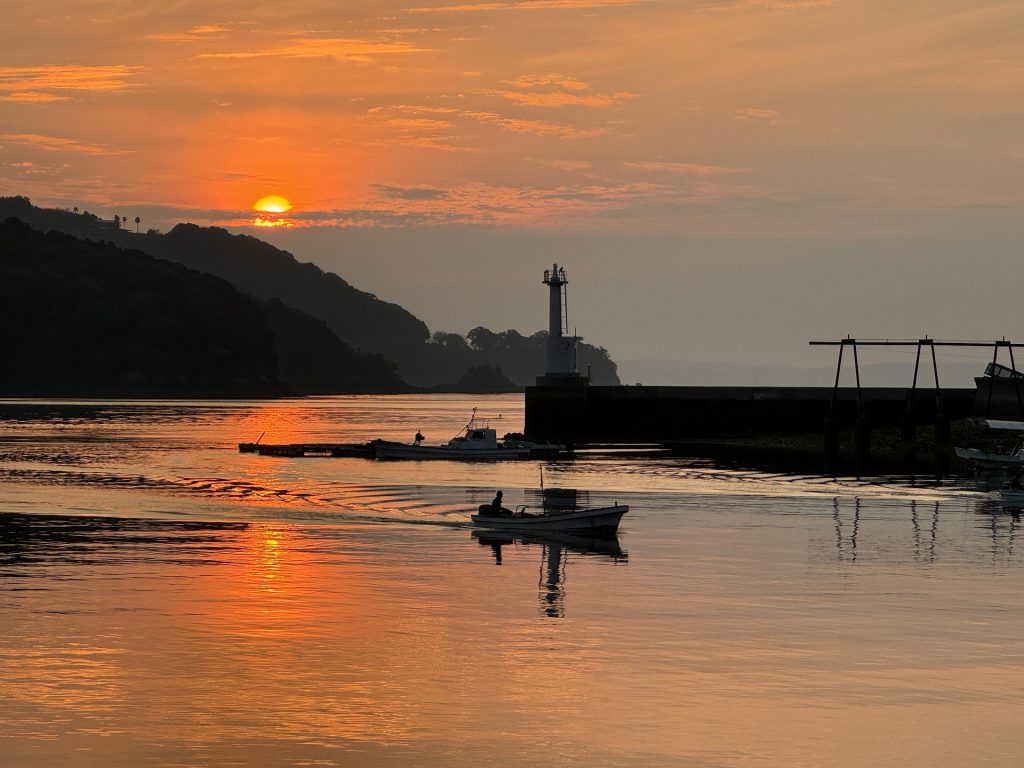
578, 414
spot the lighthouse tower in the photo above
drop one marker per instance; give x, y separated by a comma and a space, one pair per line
561, 351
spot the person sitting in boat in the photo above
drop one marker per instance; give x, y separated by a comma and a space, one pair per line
496, 509
418, 439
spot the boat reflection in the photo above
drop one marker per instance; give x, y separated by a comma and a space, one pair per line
555, 548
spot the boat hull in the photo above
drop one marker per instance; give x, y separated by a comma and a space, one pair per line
603, 521
386, 450
990, 459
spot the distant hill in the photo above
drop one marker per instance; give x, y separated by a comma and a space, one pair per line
359, 318
482, 378
87, 318
312, 360
518, 357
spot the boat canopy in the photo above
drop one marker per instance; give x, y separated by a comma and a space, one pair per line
1015, 426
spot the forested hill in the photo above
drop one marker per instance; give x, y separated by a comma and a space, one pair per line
357, 317
87, 318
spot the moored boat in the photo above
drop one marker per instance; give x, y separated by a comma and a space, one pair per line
477, 442
995, 459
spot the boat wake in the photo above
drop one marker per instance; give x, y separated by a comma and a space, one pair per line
411, 504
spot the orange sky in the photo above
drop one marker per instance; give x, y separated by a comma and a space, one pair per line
783, 120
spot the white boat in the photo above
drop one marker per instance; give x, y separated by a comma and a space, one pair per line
477, 442
983, 459
597, 521
992, 460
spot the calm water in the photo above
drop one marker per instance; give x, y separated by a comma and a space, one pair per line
167, 601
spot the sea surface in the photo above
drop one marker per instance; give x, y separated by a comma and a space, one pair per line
168, 601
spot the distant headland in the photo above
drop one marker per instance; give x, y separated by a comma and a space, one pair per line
99, 307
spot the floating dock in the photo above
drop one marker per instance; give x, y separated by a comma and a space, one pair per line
300, 450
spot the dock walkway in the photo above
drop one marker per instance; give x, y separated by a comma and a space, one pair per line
300, 450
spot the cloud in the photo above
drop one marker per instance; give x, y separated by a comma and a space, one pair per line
536, 127
200, 32
771, 5
560, 98
528, 5
695, 169
59, 144
765, 116
409, 193
54, 83
418, 124
414, 108
570, 165
342, 49
559, 81
554, 91
788, 5
33, 97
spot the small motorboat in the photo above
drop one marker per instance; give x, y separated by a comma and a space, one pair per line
557, 511
477, 442
984, 459
597, 521
993, 459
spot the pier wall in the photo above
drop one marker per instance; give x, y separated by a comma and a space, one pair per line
582, 414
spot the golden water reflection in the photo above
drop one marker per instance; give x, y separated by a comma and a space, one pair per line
268, 643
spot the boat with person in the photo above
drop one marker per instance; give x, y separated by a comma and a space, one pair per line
598, 521
477, 441
557, 512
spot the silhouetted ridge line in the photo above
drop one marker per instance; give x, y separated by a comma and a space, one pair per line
358, 318
86, 318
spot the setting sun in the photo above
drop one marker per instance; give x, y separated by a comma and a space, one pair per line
272, 204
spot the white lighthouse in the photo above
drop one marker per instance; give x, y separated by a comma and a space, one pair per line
561, 351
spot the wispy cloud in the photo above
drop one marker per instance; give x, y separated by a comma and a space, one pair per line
689, 169
59, 144
414, 109
409, 193
342, 49
560, 98
418, 124
570, 165
527, 5
788, 5
33, 97
539, 81
770, 5
764, 116
536, 127
200, 32
554, 91
57, 83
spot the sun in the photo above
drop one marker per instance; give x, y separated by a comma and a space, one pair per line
272, 204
